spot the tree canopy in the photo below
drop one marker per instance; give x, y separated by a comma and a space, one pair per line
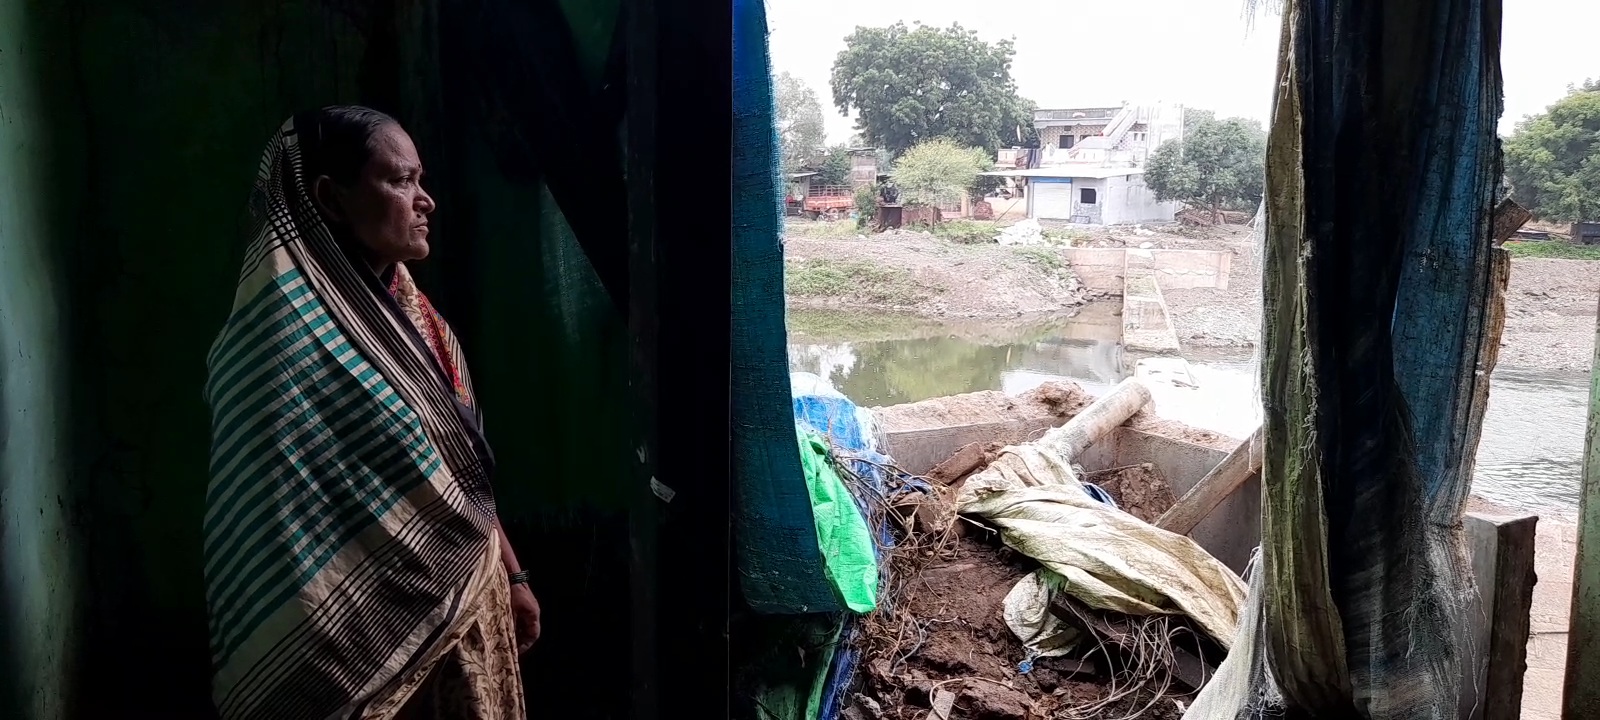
908, 84
833, 167
1552, 161
1218, 164
800, 131
938, 172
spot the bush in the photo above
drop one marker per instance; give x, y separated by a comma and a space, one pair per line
967, 232
866, 205
822, 278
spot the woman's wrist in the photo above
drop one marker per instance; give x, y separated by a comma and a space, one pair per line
518, 578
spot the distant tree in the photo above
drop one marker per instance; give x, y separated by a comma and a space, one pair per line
1193, 117
833, 166
939, 172
800, 129
1218, 164
908, 84
1023, 133
1552, 161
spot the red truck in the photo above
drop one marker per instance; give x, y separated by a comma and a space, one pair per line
829, 201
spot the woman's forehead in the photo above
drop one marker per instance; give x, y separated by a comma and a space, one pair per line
392, 148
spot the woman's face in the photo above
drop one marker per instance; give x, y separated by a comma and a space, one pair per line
386, 209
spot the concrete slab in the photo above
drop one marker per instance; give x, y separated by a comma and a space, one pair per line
1145, 324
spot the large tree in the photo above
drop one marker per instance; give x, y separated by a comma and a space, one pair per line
800, 130
1553, 159
1218, 164
908, 84
1019, 130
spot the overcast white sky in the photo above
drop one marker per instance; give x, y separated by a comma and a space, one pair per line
1201, 53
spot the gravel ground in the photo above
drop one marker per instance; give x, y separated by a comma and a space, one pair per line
1550, 307
931, 277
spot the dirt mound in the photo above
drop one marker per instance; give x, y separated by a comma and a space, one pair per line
1139, 490
956, 641
1061, 399
915, 272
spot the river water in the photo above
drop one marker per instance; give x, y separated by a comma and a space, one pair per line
1530, 456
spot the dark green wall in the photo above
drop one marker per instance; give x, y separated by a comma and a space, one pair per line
129, 135
41, 547
177, 100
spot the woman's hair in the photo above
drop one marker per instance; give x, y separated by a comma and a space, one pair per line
343, 141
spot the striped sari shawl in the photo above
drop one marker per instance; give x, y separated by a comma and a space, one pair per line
348, 511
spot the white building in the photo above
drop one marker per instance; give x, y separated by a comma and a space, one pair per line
1126, 134
1089, 168
1091, 195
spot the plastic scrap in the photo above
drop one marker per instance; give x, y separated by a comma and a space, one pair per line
1106, 558
1027, 232
1027, 613
842, 533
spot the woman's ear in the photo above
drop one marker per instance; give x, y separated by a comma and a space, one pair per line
325, 195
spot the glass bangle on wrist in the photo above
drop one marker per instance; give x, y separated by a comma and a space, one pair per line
519, 578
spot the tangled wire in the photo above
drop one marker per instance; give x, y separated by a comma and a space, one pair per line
1137, 652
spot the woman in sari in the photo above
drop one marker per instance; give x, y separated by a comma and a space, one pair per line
355, 566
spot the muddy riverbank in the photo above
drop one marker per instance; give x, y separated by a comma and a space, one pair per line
1550, 305
827, 266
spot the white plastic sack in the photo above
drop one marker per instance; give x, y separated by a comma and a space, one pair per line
1108, 559
1027, 232
1027, 613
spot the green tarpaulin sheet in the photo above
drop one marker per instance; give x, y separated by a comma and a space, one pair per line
842, 533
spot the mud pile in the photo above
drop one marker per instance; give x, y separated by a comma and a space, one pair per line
941, 649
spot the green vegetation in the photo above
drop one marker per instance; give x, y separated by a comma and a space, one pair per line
1044, 257
832, 166
1047, 259
863, 282
1549, 160
907, 84
939, 172
820, 229
1557, 249
799, 121
801, 134
967, 232
1218, 165
866, 205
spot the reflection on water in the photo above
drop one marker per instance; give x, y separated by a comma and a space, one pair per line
934, 364
1529, 458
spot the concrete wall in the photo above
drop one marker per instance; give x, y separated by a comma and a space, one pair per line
1187, 269
41, 541
1094, 213
1051, 136
1129, 201
1105, 269
1233, 529
1101, 269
